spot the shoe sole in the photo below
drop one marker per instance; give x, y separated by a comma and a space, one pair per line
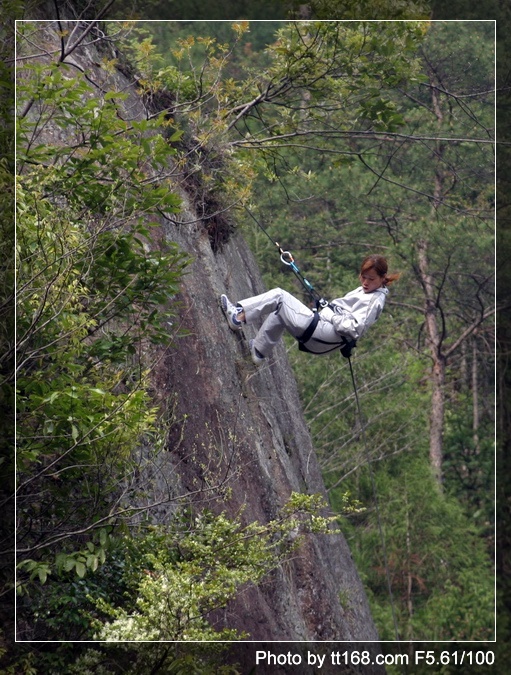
224, 305
255, 358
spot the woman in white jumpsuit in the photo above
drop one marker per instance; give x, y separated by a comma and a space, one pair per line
342, 320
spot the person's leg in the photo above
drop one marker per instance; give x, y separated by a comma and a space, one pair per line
283, 312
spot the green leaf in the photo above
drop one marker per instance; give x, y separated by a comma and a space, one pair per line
92, 562
80, 569
69, 563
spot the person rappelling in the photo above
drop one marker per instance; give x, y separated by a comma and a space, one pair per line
337, 324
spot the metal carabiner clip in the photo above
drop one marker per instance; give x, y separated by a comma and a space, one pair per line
290, 259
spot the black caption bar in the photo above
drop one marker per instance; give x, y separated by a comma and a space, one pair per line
368, 658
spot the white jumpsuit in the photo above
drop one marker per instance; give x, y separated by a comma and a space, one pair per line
346, 317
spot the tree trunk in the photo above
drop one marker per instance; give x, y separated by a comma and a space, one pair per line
409, 575
475, 396
436, 430
434, 332
438, 371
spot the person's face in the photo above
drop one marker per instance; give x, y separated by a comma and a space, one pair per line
370, 280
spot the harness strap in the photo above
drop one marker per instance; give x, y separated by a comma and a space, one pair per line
345, 344
307, 334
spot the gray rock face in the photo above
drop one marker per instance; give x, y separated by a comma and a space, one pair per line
245, 422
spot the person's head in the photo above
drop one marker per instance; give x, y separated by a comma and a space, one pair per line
374, 273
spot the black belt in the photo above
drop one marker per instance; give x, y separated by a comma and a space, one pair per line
345, 344
307, 334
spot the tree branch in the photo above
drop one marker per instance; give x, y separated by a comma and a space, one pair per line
468, 331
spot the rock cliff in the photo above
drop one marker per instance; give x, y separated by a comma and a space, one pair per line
245, 423
238, 426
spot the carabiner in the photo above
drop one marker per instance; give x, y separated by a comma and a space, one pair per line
290, 259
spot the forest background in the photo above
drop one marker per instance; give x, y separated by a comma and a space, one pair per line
415, 182
401, 187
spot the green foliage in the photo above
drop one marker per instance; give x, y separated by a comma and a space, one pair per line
503, 338
10, 9
190, 573
341, 117
441, 576
107, 165
194, 10
162, 583
7, 238
363, 196
93, 283
95, 288
350, 125
313, 73
193, 659
89, 303
365, 9
470, 463
79, 562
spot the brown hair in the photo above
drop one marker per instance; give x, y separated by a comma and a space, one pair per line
379, 264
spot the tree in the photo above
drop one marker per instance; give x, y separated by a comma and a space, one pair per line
362, 9
90, 285
427, 226
96, 289
196, 10
444, 104
167, 582
450, 258
7, 318
332, 101
439, 570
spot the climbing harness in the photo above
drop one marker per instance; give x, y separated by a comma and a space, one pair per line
307, 334
288, 259
346, 350
319, 302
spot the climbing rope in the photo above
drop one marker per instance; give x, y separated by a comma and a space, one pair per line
287, 258
375, 496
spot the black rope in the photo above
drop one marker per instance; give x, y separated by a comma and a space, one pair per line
375, 495
287, 258
262, 228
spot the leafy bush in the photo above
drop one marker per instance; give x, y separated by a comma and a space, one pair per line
95, 291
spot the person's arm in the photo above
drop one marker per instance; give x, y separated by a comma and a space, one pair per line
353, 324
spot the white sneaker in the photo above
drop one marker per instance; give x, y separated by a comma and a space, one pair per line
257, 357
231, 313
